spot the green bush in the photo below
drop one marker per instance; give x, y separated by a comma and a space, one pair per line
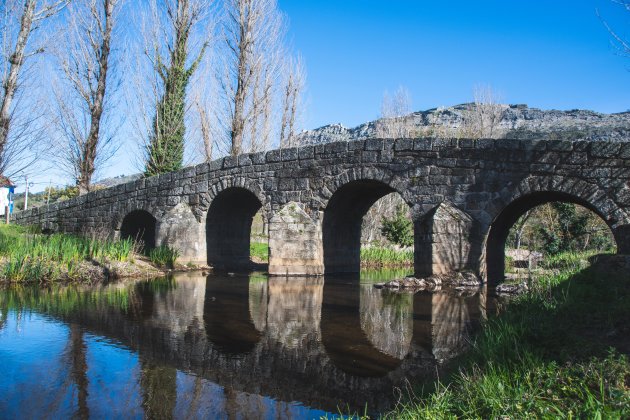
399, 228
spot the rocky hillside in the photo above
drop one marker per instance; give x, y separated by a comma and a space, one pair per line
515, 122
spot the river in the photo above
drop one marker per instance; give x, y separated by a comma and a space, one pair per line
225, 346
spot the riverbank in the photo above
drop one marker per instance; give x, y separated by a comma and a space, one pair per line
28, 256
561, 350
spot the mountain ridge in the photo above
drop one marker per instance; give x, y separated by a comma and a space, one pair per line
517, 121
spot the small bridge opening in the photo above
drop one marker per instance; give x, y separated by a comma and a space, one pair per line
228, 228
352, 218
139, 225
538, 229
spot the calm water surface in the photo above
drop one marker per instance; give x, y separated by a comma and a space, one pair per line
223, 346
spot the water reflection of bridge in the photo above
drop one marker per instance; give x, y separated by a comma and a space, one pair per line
321, 343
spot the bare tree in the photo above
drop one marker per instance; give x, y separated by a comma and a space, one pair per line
395, 121
292, 102
21, 118
621, 43
252, 35
83, 107
205, 128
483, 117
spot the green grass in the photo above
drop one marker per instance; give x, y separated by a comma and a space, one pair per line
370, 256
385, 257
163, 256
558, 352
259, 250
31, 256
569, 260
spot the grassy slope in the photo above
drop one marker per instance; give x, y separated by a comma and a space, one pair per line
27, 256
558, 352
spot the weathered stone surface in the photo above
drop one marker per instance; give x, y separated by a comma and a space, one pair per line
464, 196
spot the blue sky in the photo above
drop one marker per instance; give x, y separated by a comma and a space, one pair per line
550, 54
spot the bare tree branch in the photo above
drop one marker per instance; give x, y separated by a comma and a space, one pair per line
395, 121
84, 98
21, 21
483, 117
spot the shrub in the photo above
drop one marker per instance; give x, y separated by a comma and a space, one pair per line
399, 228
163, 256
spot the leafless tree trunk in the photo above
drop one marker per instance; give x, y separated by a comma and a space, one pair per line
87, 72
483, 117
292, 102
252, 36
206, 132
395, 121
21, 21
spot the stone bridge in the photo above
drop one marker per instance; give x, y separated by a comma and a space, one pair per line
464, 196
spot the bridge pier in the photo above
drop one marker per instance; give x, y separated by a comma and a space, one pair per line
180, 230
622, 237
446, 241
295, 243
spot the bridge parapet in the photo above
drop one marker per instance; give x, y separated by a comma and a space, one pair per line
480, 179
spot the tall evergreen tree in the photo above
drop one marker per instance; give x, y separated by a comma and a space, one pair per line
165, 151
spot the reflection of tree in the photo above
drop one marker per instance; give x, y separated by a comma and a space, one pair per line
387, 320
159, 390
4, 314
79, 370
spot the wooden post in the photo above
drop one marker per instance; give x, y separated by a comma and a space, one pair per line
6, 214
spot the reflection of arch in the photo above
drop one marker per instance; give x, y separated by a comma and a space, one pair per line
139, 225
343, 217
500, 228
387, 320
228, 227
345, 342
226, 315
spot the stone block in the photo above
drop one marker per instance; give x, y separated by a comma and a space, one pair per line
604, 149
274, 156
290, 154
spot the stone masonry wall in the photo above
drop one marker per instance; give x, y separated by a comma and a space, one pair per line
479, 178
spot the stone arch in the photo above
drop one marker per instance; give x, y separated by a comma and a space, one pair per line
141, 226
228, 224
206, 198
383, 176
535, 191
343, 216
